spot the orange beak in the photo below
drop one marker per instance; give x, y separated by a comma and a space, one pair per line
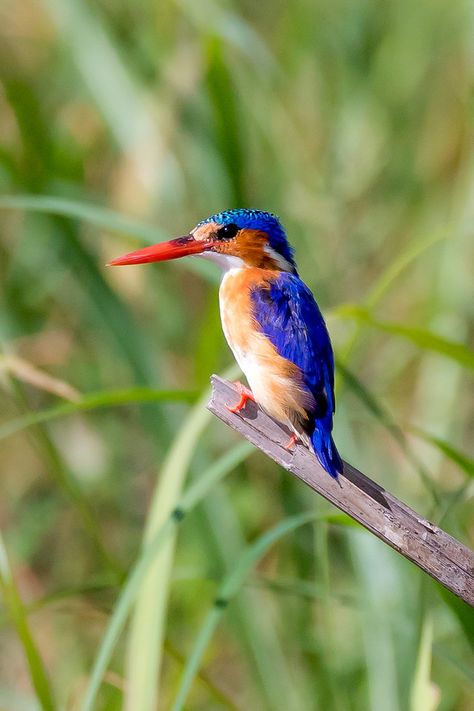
174, 249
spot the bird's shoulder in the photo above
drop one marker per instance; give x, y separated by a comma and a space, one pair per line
284, 301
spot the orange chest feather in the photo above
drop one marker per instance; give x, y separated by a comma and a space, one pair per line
236, 306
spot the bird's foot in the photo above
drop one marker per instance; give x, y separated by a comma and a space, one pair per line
291, 442
245, 394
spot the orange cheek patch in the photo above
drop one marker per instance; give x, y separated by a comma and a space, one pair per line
250, 246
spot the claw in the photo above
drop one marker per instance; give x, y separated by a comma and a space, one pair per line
245, 394
291, 442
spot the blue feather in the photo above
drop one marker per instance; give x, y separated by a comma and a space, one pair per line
287, 314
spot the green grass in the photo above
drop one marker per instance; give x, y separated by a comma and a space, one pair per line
126, 123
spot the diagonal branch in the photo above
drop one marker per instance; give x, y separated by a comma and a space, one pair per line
434, 551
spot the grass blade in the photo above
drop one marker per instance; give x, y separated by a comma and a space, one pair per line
260, 644
226, 111
465, 463
68, 483
418, 336
104, 219
148, 622
192, 496
423, 694
386, 420
227, 590
100, 217
147, 630
463, 668
398, 266
107, 78
93, 401
463, 612
19, 617
385, 281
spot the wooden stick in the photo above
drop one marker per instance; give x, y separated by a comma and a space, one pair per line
434, 551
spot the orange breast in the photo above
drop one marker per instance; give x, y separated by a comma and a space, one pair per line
275, 381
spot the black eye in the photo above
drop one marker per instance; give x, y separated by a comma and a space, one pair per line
227, 231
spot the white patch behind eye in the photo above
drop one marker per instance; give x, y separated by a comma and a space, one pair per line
281, 261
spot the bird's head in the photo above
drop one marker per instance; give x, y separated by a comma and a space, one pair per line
234, 238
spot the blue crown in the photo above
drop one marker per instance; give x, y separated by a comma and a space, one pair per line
257, 220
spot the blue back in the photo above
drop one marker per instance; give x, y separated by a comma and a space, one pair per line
257, 220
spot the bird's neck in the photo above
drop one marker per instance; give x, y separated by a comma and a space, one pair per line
230, 262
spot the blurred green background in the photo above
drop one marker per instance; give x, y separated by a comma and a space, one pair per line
123, 123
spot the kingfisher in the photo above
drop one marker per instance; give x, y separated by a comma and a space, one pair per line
271, 322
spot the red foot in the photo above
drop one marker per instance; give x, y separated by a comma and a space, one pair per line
245, 394
291, 442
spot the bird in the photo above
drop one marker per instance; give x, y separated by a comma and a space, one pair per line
271, 322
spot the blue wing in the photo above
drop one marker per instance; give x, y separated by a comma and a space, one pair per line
286, 312
288, 315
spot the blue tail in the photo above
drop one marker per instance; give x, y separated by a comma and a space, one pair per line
326, 452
